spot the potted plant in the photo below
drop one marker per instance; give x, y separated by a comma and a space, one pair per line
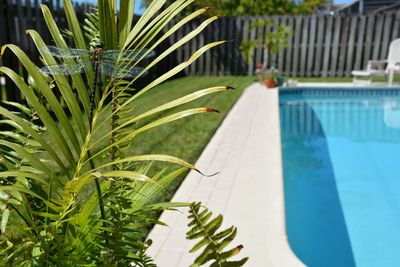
272, 42
267, 76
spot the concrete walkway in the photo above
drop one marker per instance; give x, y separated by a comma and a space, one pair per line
248, 190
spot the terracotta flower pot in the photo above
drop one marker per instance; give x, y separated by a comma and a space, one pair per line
270, 83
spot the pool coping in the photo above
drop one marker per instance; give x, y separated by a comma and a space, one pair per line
248, 191
343, 84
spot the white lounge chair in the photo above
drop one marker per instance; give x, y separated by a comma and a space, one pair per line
381, 67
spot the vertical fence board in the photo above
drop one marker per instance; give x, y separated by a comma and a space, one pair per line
215, 56
396, 26
296, 45
58, 8
211, 37
386, 36
275, 19
265, 30
327, 46
244, 24
281, 55
289, 49
223, 49
11, 14
8, 59
368, 39
311, 45
50, 4
319, 45
360, 42
237, 22
258, 52
201, 59
3, 24
207, 54
378, 37
252, 36
38, 25
335, 45
229, 46
303, 45
29, 14
351, 45
344, 42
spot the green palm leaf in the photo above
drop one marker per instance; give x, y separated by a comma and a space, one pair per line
61, 218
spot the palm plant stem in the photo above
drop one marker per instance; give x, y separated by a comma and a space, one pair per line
114, 124
91, 162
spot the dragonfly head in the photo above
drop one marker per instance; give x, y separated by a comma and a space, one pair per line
97, 52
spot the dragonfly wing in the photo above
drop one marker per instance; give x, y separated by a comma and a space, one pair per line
64, 69
65, 52
128, 55
120, 71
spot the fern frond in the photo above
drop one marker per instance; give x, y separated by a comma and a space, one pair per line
91, 28
204, 227
144, 260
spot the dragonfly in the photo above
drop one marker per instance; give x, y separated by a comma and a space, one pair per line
112, 63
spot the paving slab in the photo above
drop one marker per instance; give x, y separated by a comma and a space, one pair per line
248, 191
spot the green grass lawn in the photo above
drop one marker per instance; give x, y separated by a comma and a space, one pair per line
186, 138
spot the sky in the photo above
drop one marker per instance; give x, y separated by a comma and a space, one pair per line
139, 10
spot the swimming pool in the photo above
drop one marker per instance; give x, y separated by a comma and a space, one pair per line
341, 165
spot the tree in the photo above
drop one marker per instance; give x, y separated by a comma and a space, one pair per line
253, 7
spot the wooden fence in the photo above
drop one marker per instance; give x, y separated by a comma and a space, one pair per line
321, 46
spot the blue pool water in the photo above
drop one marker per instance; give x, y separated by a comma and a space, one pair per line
341, 159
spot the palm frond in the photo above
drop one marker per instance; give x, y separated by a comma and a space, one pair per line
49, 156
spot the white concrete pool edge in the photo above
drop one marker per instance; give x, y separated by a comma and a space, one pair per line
343, 84
248, 191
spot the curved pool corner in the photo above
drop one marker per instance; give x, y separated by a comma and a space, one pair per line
340, 150
248, 189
